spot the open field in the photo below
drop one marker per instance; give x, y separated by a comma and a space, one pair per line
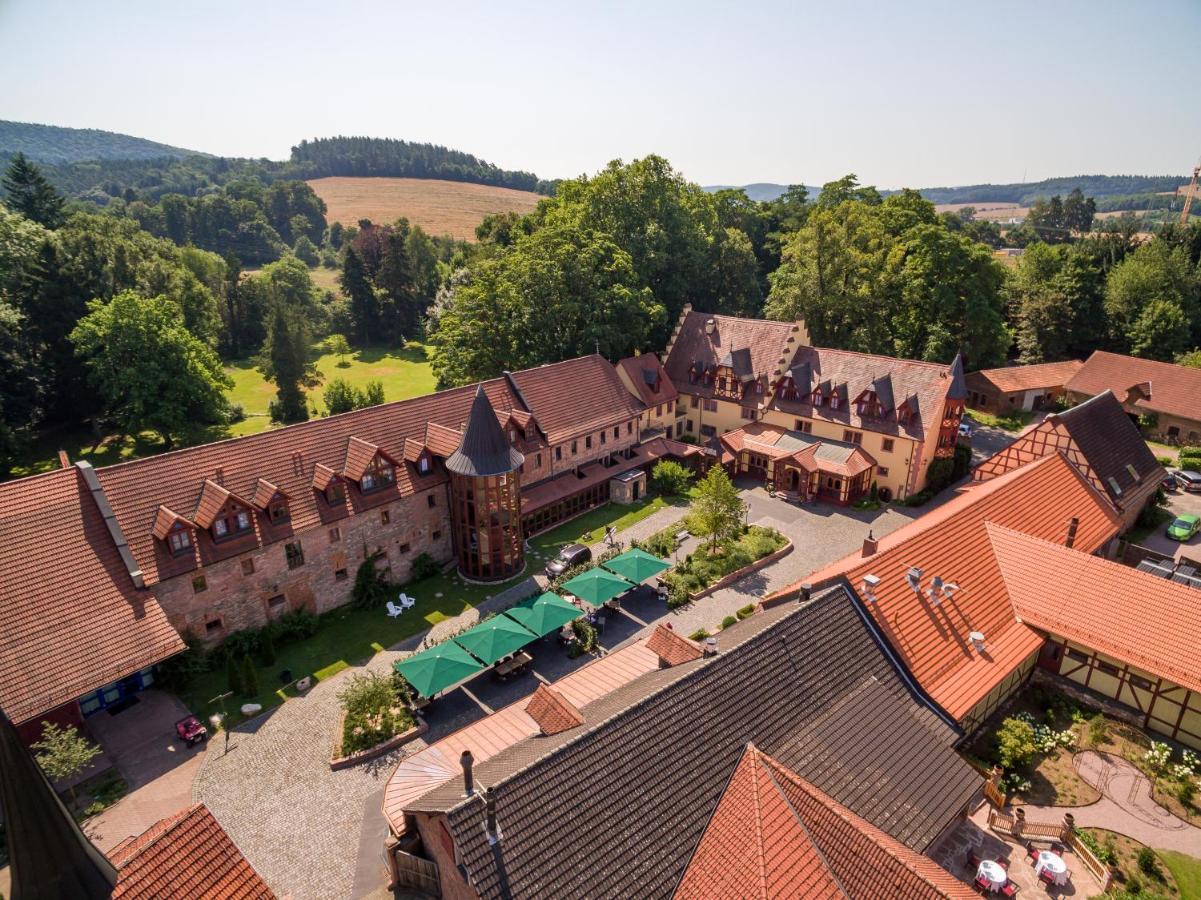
994, 211
439, 207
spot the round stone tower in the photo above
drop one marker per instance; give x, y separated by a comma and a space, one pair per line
485, 498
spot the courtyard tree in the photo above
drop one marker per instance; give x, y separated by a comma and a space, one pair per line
149, 370
63, 752
717, 511
338, 345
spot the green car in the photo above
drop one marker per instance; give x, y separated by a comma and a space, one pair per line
1184, 527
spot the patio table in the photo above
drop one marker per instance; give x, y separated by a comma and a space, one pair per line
1053, 863
515, 663
992, 872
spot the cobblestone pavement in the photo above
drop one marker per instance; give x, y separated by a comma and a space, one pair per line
312, 833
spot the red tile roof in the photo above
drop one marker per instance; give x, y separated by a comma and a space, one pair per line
552, 711
185, 857
952, 542
265, 492
1011, 379
1145, 621
774, 834
71, 619
576, 396
213, 497
810, 453
649, 378
164, 521
1173, 389
671, 647
359, 455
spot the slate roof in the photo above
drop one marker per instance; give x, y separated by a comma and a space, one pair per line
484, 449
184, 857
1012, 379
765, 341
649, 765
774, 834
1174, 390
952, 542
71, 619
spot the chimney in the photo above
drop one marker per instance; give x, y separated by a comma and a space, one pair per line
806, 592
1073, 524
710, 326
490, 816
466, 760
870, 583
64, 461
710, 646
870, 544
219, 476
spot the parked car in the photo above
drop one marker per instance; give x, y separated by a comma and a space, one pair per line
1185, 526
1169, 482
190, 731
1189, 480
965, 429
570, 556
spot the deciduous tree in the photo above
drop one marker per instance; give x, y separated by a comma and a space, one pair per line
63, 752
717, 511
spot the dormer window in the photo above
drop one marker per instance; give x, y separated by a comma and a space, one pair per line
382, 475
179, 540
834, 400
817, 397
233, 523
278, 512
423, 464
335, 493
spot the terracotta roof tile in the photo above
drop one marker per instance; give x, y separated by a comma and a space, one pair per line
184, 857
71, 619
649, 378
597, 397
265, 492
951, 541
213, 497
324, 476
671, 647
1145, 621
552, 711
1173, 389
164, 520
775, 834
359, 455
812, 454
1011, 379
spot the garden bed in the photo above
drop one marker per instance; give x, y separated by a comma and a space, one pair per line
1121, 853
337, 761
703, 571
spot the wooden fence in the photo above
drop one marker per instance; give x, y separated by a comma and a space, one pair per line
415, 872
1017, 827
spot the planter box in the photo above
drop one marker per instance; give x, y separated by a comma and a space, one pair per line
727, 580
337, 762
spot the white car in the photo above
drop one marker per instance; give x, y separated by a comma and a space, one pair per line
965, 430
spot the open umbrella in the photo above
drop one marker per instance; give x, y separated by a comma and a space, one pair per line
596, 586
438, 668
636, 565
494, 639
543, 614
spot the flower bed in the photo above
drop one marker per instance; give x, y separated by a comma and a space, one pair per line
337, 761
702, 572
375, 718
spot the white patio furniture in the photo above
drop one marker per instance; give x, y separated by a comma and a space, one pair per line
993, 873
406, 601
1052, 863
394, 610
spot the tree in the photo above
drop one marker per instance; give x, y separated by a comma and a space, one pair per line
1015, 744
233, 675
1155, 271
717, 511
373, 393
1192, 359
250, 677
340, 397
364, 305
306, 251
670, 478
267, 647
28, 192
1160, 332
63, 752
337, 344
150, 371
286, 360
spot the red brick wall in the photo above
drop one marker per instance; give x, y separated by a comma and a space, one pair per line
241, 600
435, 838
626, 437
67, 714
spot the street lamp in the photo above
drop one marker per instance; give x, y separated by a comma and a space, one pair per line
216, 720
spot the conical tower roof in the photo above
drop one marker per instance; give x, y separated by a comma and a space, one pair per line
484, 449
958, 389
49, 855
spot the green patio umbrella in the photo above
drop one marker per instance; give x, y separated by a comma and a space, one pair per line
596, 586
438, 668
636, 565
544, 613
494, 639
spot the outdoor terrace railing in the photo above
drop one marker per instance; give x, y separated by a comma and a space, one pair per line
1017, 827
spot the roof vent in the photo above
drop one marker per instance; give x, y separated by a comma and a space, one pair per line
977, 639
806, 593
914, 578
1073, 524
466, 760
710, 646
870, 582
710, 326
490, 827
934, 592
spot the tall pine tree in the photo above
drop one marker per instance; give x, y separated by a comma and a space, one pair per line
28, 192
287, 361
364, 307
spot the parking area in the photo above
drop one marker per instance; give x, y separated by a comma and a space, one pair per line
1179, 503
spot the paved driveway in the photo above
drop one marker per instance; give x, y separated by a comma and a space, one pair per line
1178, 503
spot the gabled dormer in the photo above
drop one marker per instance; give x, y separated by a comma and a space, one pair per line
329, 484
223, 514
369, 466
174, 531
906, 410
273, 502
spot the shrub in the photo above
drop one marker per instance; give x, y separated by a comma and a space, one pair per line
1164, 461
921, 498
940, 474
1185, 791
340, 397
1157, 757
1098, 730
746, 611
233, 675
424, 566
250, 678
1147, 862
1105, 853
373, 712
1015, 743
728, 621
177, 671
371, 586
236, 413
240, 643
373, 394
962, 461
294, 626
670, 478
662, 543
267, 648
699, 635
305, 251
686, 439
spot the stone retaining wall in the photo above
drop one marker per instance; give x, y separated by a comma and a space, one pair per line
727, 580
341, 762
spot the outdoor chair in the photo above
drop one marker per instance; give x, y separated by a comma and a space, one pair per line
1046, 876
407, 602
983, 885
973, 859
1031, 854
394, 610
1003, 862
1010, 889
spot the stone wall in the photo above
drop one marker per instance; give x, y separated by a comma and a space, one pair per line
243, 591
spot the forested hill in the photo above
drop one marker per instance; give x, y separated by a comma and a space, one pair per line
1098, 186
760, 191
387, 157
52, 144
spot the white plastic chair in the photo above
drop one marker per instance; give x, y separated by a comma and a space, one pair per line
407, 602
394, 610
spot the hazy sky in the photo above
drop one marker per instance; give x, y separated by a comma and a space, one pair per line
905, 93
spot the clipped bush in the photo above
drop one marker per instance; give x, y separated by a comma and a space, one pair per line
728, 621
233, 675
1015, 744
670, 478
699, 635
746, 611
267, 648
250, 678
424, 566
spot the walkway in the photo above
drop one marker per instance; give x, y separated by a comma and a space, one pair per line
1126, 806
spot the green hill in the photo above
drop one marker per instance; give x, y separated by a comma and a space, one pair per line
52, 144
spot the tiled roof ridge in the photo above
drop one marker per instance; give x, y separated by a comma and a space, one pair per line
130, 847
890, 360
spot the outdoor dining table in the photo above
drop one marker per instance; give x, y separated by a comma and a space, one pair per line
514, 663
1051, 862
992, 872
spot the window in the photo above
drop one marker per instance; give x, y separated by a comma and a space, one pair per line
368, 483
279, 512
294, 554
199, 585
248, 567
179, 541
671, 404
437, 535
573, 447
276, 602
340, 575
335, 493
886, 445
708, 430
1107, 668
689, 426
602, 437
659, 410
710, 406
1143, 684
383, 476
882, 471
817, 398
629, 427
852, 437
385, 517
588, 442
834, 401
1077, 655
431, 500
558, 453
423, 464
404, 548
335, 535
212, 626
748, 413
692, 401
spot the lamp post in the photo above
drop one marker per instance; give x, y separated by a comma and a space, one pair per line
218, 719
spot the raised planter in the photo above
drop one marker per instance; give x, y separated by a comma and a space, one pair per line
337, 762
727, 580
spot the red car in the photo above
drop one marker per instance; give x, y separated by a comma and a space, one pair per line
190, 731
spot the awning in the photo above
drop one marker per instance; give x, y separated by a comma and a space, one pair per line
438, 668
494, 639
544, 613
636, 565
596, 586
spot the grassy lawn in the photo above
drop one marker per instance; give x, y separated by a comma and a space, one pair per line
1187, 872
1014, 421
1125, 851
349, 636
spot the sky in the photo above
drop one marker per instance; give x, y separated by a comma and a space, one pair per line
916, 94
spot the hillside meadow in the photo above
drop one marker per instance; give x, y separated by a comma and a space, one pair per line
439, 207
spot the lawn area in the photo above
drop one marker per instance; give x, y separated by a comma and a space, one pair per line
1125, 856
349, 636
1013, 422
1187, 872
